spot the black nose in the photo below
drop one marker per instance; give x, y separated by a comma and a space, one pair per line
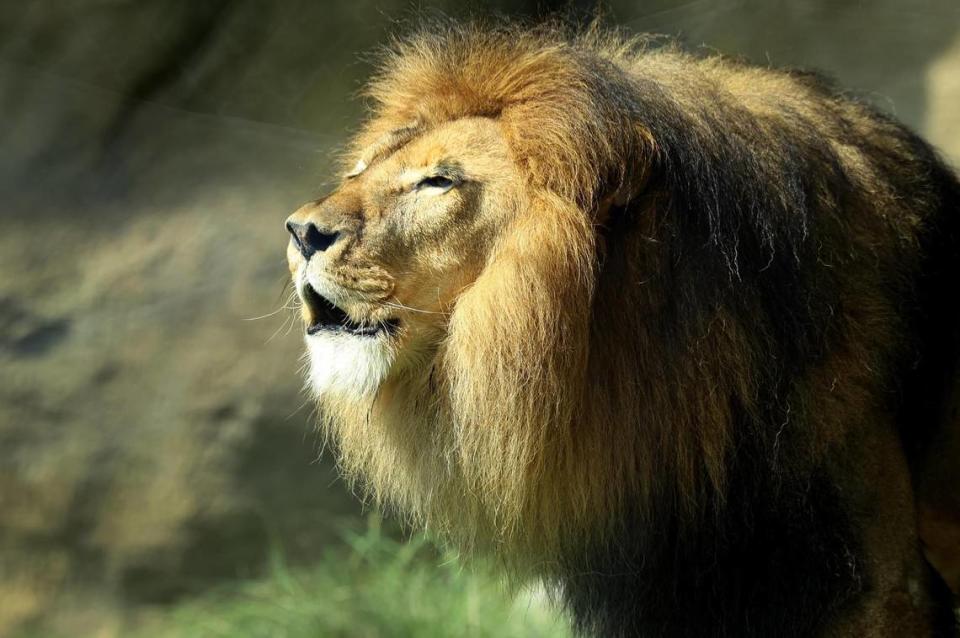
309, 239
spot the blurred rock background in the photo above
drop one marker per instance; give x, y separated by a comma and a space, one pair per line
154, 441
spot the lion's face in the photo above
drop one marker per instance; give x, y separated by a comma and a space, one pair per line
380, 262
450, 291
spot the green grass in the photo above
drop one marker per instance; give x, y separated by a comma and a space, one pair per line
380, 587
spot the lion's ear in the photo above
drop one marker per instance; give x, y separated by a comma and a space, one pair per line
630, 174
518, 346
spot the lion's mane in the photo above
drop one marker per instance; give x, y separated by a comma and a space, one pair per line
709, 301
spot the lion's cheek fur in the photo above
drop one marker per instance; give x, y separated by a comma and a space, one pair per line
514, 367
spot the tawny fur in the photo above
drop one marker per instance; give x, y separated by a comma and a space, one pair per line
683, 257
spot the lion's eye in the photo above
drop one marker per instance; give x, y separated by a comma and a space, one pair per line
435, 181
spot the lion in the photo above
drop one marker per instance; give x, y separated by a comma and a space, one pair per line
674, 334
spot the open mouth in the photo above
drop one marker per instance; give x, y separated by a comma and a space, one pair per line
327, 316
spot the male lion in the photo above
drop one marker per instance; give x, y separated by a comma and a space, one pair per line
676, 334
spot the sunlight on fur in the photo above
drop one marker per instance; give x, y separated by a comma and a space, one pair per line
651, 310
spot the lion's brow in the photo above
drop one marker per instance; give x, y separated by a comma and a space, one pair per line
388, 144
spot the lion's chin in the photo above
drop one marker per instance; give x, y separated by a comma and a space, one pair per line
344, 366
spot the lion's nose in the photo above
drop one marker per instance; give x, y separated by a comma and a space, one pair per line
309, 239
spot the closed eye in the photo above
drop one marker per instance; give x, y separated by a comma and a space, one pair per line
441, 182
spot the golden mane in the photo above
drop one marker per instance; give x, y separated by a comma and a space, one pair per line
704, 301
537, 376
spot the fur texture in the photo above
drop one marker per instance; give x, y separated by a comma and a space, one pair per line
678, 339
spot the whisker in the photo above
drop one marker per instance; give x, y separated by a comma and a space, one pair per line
276, 332
300, 407
287, 283
287, 326
293, 322
292, 297
401, 306
269, 314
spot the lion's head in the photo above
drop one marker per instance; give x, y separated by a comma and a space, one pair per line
464, 300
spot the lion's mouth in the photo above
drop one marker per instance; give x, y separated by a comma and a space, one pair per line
327, 316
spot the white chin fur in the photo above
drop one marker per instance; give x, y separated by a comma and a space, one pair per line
342, 364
